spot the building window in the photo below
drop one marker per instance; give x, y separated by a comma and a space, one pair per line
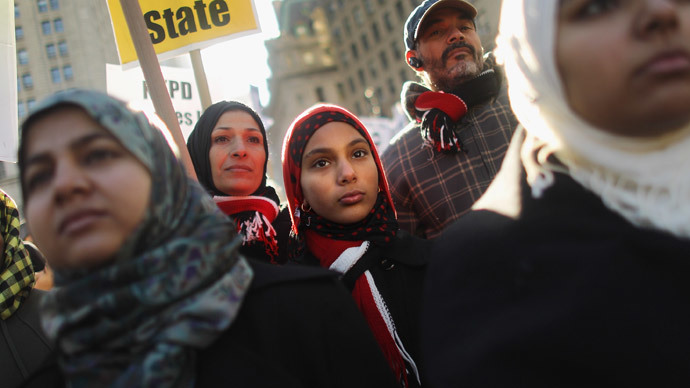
357, 14
320, 95
21, 110
392, 88
358, 109
379, 93
22, 57
337, 35
62, 47
372, 70
387, 21
396, 51
400, 10
57, 23
30, 104
344, 58
16, 11
55, 75
369, 5
19, 32
67, 72
27, 81
384, 59
362, 78
346, 25
50, 50
42, 5
403, 76
375, 31
45, 26
365, 42
351, 82
341, 90
355, 52
19, 85
54, 4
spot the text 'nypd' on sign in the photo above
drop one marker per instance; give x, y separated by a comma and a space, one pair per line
178, 26
130, 86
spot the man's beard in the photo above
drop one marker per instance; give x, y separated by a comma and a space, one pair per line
464, 70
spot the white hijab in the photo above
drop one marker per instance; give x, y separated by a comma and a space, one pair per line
647, 181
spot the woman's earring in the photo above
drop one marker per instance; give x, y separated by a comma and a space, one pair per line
307, 209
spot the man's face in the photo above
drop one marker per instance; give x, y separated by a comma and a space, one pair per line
449, 48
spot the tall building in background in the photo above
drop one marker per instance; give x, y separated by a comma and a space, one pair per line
303, 68
61, 44
346, 52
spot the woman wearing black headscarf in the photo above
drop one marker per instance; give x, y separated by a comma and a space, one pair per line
230, 153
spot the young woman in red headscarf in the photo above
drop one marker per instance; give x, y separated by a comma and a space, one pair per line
343, 219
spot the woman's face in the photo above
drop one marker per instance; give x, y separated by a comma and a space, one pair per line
339, 175
85, 192
625, 64
237, 154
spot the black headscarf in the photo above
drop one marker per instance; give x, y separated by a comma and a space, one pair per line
199, 143
260, 237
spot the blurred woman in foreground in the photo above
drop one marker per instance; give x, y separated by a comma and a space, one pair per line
572, 269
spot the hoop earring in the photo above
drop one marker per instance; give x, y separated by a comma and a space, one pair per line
303, 209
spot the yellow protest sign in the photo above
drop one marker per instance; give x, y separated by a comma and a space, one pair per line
178, 26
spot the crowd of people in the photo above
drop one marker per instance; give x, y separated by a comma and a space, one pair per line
529, 228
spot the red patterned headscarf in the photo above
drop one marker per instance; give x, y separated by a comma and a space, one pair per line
381, 224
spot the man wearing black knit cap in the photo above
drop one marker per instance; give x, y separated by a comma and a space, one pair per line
461, 121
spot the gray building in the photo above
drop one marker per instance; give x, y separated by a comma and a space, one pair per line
61, 44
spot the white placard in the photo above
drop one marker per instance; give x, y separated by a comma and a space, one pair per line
130, 86
8, 84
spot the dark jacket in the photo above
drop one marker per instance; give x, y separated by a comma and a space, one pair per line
431, 189
298, 327
24, 348
555, 292
398, 268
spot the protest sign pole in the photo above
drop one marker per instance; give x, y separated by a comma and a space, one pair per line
154, 77
200, 77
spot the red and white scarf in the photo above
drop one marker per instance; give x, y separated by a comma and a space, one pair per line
256, 228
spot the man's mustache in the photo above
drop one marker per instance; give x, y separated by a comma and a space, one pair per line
454, 46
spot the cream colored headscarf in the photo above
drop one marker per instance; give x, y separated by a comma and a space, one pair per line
647, 181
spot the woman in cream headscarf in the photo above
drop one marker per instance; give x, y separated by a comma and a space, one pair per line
571, 270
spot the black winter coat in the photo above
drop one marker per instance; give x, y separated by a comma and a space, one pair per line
555, 292
297, 328
26, 355
398, 268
